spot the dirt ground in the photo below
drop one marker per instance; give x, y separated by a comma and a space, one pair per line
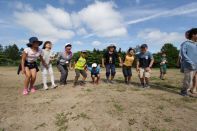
103, 107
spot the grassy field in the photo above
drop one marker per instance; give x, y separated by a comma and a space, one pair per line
105, 107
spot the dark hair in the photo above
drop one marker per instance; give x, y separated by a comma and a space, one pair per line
45, 43
192, 32
130, 49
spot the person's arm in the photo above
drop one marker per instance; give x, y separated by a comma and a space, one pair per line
184, 55
137, 65
120, 61
43, 61
151, 62
24, 56
103, 62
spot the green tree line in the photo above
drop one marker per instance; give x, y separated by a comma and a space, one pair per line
11, 55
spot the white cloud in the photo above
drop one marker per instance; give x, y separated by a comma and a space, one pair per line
96, 43
103, 19
79, 43
157, 38
22, 6
82, 31
58, 16
46, 23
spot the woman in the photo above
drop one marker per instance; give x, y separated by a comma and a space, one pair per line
29, 65
63, 62
127, 65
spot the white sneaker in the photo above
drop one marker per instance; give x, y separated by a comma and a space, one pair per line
54, 86
45, 87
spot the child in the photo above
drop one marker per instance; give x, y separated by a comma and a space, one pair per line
64, 62
95, 72
109, 60
163, 66
127, 65
48, 56
145, 61
80, 65
29, 65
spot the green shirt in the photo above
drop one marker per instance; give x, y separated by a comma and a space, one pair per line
81, 62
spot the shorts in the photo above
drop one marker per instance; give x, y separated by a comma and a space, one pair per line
94, 74
127, 71
82, 72
143, 73
32, 65
163, 69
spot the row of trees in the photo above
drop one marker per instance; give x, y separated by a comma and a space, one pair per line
11, 55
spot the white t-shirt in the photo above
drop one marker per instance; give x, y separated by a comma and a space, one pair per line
47, 55
31, 55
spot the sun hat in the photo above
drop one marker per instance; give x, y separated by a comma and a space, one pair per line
32, 40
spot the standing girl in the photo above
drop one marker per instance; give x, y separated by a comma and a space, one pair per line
48, 56
127, 65
63, 62
29, 65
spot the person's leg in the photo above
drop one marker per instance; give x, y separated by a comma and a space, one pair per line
27, 80
63, 74
107, 71
113, 71
66, 75
77, 72
147, 76
44, 77
97, 79
53, 85
129, 75
93, 78
124, 70
84, 74
187, 81
33, 79
142, 77
195, 83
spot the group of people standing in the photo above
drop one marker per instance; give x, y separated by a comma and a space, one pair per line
144, 62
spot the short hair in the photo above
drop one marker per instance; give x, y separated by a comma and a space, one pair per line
192, 32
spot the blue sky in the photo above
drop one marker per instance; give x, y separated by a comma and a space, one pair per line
89, 24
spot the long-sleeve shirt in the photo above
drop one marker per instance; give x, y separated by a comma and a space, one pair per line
189, 55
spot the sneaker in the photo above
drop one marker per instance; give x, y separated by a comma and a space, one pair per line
45, 87
112, 82
25, 91
183, 93
33, 89
54, 86
107, 81
75, 84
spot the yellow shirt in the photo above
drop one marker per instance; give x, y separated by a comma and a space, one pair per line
80, 63
128, 60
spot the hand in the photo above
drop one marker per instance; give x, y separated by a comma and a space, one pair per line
70, 68
137, 69
23, 71
120, 64
103, 66
147, 69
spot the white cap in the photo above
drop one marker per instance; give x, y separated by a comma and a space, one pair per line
94, 65
68, 44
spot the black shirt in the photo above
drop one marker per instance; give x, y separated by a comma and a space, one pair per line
110, 58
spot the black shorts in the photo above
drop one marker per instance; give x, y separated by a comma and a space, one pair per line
94, 74
31, 65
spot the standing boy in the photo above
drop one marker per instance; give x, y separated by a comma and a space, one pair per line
145, 61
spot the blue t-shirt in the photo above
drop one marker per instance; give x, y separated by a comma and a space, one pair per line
144, 59
94, 71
